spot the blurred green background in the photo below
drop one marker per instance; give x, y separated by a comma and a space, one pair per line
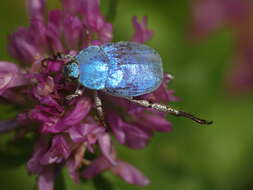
191, 157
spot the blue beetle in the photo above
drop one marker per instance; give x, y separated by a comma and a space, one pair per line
123, 69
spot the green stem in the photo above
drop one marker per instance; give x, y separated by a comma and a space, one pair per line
112, 10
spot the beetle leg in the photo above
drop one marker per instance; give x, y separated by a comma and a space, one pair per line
170, 110
99, 108
60, 57
78, 92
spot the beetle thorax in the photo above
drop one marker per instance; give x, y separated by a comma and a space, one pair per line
93, 65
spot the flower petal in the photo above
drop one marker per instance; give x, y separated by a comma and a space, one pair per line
59, 150
40, 149
78, 113
129, 134
22, 47
154, 122
96, 167
46, 179
85, 132
44, 88
5, 80
142, 33
9, 67
10, 76
105, 33
72, 6
92, 17
130, 174
115, 123
75, 161
136, 136
94, 20
37, 34
105, 144
73, 31
54, 28
36, 9
81, 109
49, 101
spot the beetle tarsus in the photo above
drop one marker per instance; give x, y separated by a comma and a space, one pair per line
172, 111
192, 117
77, 93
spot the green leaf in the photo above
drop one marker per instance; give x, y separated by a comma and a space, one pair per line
101, 183
60, 182
15, 153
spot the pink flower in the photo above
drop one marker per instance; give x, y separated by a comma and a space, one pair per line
212, 15
68, 131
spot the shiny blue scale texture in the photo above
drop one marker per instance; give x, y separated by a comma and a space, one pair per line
124, 69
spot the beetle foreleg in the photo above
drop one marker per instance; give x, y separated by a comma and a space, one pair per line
172, 111
60, 57
78, 92
99, 108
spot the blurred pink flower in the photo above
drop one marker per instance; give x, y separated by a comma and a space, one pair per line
68, 131
212, 15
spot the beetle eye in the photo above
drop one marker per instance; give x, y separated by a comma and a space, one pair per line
71, 70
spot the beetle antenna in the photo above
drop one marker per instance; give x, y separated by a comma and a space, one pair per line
168, 109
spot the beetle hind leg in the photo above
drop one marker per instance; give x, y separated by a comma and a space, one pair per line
170, 110
99, 108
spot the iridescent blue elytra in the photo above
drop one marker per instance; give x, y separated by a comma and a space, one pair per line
124, 69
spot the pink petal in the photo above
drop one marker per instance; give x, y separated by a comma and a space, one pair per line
208, 16
54, 28
130, 174
96, 21
36, 9
9, 67
71, 7
129, 134
136, 137
105, 33
115, 123
75, 162
44, 88
73, 31
46, 180
85, 132
142, 33
22, 47
154, 122
37, 34
78, 113
49, 101
92, 17
10, 76
97, 166
163, 94
40, 149
105, 144
81, 109
59, 150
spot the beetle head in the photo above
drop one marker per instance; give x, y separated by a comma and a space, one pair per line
71, 70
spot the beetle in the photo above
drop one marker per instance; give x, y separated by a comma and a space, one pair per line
122, 69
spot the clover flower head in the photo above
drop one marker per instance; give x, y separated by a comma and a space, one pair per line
67, 132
